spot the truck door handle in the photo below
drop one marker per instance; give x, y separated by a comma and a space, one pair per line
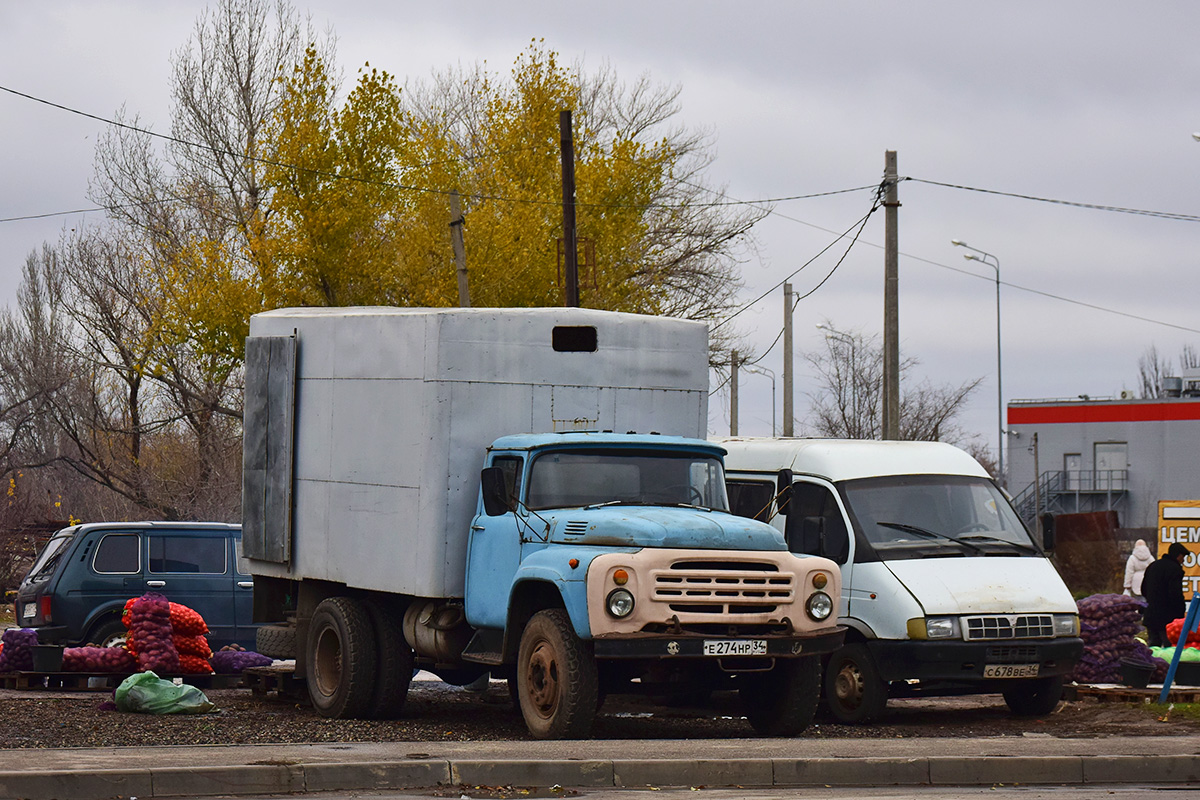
477, 528
246, 584
156, 584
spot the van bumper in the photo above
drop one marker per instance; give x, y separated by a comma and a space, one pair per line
965, 661
692, 645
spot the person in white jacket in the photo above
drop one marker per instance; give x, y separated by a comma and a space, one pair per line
1135, 568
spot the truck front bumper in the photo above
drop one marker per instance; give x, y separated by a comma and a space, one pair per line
695, 645
965, 661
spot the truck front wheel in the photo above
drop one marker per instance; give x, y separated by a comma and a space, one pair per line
1035, 697
557, 682
854, 691
782, 702
341, 658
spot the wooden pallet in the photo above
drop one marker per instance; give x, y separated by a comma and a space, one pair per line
81, 681
281, 680
1128, 694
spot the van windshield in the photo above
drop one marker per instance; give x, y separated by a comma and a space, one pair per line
569, 479
918, 516
43, 567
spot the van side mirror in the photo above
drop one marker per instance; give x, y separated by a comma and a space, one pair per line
496, 501
783, 491
1048, 537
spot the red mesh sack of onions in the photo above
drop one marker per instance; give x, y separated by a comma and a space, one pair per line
17, 655
194, 665
232, 662
150, 634
1173, 630
186, 622
191, 646
98, 659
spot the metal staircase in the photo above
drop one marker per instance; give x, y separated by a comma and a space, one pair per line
1073, 491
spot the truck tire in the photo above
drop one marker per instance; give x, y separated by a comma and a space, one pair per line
854, 691
557, 683
1035, 697
784, 701
111, 633
393, 664
341, 659
276, 641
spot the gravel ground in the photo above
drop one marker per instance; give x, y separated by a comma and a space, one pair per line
437, 712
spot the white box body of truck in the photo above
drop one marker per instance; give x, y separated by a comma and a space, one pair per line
395, 407
943, 588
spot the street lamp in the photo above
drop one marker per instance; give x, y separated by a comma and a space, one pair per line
764, 371
982, 257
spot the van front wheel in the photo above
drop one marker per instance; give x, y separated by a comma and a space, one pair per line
1035, 697
854, 691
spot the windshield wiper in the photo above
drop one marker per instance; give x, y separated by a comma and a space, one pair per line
1027, 548
660, 504
902, 526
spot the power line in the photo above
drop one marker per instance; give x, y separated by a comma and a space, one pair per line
1092, 206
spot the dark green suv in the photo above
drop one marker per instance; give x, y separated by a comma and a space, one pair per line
79, 583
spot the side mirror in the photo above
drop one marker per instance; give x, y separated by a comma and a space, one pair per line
1048, 537
783, 491
496, 502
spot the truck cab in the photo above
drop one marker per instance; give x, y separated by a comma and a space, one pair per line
943, 588
630, 541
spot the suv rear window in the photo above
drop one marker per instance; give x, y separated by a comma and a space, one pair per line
117, 554
195, 554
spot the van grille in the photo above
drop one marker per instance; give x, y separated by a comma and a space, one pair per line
723, 587
1015, 626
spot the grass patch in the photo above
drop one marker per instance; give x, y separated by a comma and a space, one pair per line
1175, 711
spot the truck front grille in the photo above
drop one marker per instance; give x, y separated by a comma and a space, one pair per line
723, 587
1010, 626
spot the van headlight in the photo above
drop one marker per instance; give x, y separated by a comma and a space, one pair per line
1066, 624
619, 603
819, 606
923, 628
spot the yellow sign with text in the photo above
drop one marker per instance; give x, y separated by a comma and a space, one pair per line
1179, 521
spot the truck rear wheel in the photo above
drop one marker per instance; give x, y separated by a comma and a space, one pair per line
393, 664
276, 641
1035, 697
854, 691
557, 682
782, 702
341, 658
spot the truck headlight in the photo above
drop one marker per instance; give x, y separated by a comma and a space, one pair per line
619, 603
819, 606
1066, 625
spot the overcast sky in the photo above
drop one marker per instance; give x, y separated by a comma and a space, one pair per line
1086, 102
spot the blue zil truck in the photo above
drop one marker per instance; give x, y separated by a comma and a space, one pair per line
524, 493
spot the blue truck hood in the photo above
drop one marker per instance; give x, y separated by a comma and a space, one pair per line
660, 526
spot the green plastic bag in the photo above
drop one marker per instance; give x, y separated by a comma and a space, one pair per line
146, 693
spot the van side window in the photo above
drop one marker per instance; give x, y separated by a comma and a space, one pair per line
815, 515
194, 554
118, 555
511, 466
750, 498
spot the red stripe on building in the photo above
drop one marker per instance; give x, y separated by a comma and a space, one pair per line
1104, 412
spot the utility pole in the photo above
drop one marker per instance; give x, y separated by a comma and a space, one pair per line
891, 304
460, 253
733, 393
787, 361
570, 244
1037, 491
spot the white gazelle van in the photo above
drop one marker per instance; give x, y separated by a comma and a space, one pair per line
944, 591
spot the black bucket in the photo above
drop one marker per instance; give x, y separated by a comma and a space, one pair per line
1136, 674
47, 658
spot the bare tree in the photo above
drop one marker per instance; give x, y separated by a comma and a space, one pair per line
847, 402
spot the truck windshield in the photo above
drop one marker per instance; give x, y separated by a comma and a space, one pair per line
914, 516
570, 479
43, 566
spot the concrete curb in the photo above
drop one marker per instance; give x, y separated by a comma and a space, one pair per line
176, 781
